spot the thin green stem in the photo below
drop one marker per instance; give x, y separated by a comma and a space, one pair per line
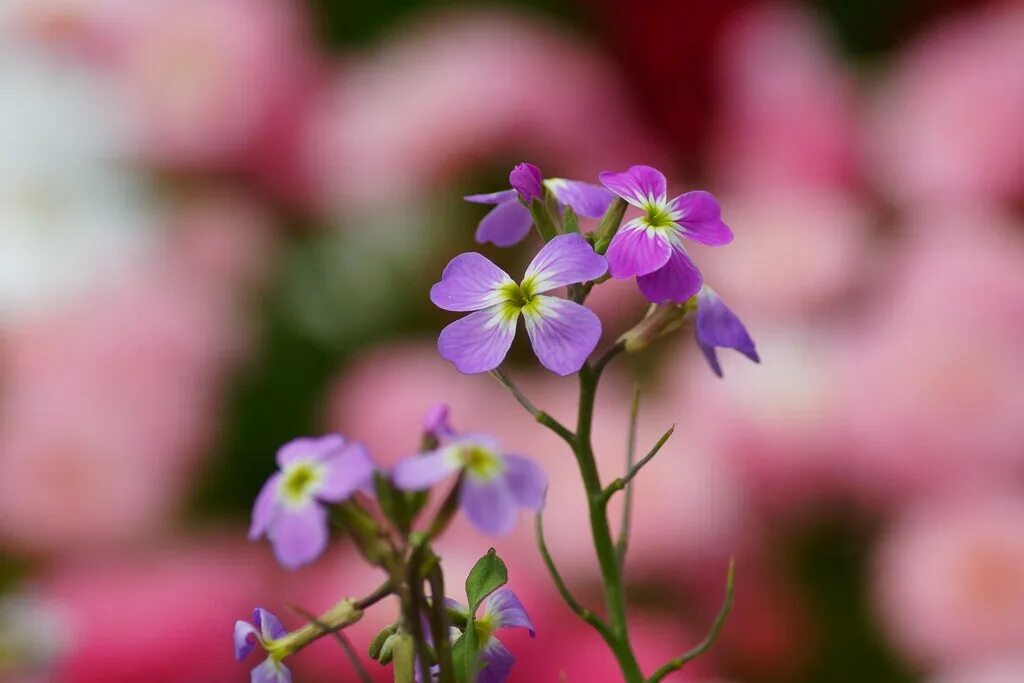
353, 658
439, 624
709, 640
623, 482
539, 415
622, 545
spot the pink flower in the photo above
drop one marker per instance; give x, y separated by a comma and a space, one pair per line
950, 580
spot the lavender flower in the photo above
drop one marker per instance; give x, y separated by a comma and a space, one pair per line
563, 333
264, 630
718, 326
435, 422
494, 486
650, 246
509, 221
290, 508
502, 609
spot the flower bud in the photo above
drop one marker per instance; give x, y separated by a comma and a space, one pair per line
661, 319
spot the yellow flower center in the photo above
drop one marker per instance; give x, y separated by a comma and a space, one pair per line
481, 463
300, 479
658, 216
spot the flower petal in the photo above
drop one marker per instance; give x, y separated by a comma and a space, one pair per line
497, 662
639, 185
718, 326
563, 333
635, 250
564, 260
586, 199
307, 447
246, 637
492, 197
265, 507
270, 626
299, 534
435, 422
347, 472
271, 671
469, 282
480, 341
418, 472
526, 179
677, 280
489, 505
526, 481
507, 611
505, 225
701, 218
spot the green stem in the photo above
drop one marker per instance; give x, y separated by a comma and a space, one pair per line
623, 482
439, 624
539, 415
622, 545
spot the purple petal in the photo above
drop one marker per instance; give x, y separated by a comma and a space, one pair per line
507, 611
418, 472
586, 199
346, 473
492, 197
271, 672
635, 250
497, 662
246, 637
469, 282
299, 534
435, 422
489, 505
563, 333
526, 481
314, 448
718, 326
564, 260
270, 626
526, 179
480, 341
265, 507
702, 218
677, 280
505, 225
639, 185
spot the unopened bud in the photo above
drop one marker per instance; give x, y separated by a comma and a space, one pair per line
383, 644
661, 319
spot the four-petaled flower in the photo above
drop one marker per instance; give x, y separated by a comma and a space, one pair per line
717, 326
264, 630
563, 333
494, 485
290, 508
650, 246
509, 221
502, 609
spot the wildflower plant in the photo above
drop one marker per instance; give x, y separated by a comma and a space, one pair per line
387, 515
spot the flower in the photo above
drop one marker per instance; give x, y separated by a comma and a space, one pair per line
509, 221
502, 609
494, 484
290, 508
435, 422
650, 246
717, 326
264, 630
563, 333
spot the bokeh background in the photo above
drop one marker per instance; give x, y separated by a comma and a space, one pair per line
219, 220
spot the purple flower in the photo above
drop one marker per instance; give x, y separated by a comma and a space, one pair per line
717, 326
502, 609
494, 486
509, 221
650, 247
563, 333
435, 422
264, 630
290, 508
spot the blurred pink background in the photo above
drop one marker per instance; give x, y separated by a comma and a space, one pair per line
219, 220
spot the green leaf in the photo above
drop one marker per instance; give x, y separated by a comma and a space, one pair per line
392, 501
570, 223
466, 656
488, 575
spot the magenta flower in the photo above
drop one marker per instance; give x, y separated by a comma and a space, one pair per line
509, 221
650, 246
264, 630
563, 333
290, 509
502, 609
494, 486
717, 326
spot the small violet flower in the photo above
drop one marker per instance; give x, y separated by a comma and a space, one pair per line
509, 221
717, 326
494, 485
563, 333
650, 246
436, 424
290, 509
502, 609
264, 630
